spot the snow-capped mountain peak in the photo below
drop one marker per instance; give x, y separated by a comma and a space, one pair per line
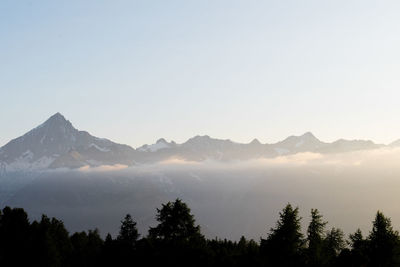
294, 144
56, 143
160, 144
46, 145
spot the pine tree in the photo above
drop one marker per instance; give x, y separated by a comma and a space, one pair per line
128, 233
177, 240
315, 236
333, 244
383, 242
176, 223
359, 255
285, 242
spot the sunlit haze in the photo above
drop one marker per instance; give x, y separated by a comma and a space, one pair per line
236, 133
136, 71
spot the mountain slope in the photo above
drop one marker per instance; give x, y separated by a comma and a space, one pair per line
56, 143
295, 144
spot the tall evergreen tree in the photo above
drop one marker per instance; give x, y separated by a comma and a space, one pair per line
357, 241
284, 244
333, 244
176, 223
359, 246
315, 236
176, 239
383, 243
128, 233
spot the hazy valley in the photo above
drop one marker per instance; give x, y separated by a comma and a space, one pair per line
233, 189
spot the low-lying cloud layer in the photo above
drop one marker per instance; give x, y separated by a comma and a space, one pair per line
229, 199
103, 168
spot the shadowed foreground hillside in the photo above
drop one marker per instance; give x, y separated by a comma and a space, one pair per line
177, 240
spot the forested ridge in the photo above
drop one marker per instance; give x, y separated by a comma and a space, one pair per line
177, 241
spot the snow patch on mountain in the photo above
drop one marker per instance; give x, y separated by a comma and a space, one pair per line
24, 163
160, 144
57, 144
103, 149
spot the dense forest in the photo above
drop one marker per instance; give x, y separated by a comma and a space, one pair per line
178, 241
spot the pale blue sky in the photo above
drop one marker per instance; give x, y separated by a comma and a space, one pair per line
135, 71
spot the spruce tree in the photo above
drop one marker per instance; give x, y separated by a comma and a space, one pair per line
176, 223
333, 244
315, 236
128, 233
285, 243
383, 243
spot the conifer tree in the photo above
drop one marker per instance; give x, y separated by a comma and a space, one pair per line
383, 242
284, 244
315, 236
128, 233
333, 244
176, 223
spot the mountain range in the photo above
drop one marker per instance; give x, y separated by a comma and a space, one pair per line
57, 144
38, 173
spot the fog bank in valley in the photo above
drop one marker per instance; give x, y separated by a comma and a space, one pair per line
227, 199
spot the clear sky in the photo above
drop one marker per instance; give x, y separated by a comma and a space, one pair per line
135, 71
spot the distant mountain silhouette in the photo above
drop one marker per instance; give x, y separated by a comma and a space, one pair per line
57, 144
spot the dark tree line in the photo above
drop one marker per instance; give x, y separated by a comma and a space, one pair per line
178, 241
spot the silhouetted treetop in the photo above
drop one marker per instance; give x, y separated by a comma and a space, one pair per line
315, 237
177, 241
384, 242
128, 233
176, 223
285, 242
